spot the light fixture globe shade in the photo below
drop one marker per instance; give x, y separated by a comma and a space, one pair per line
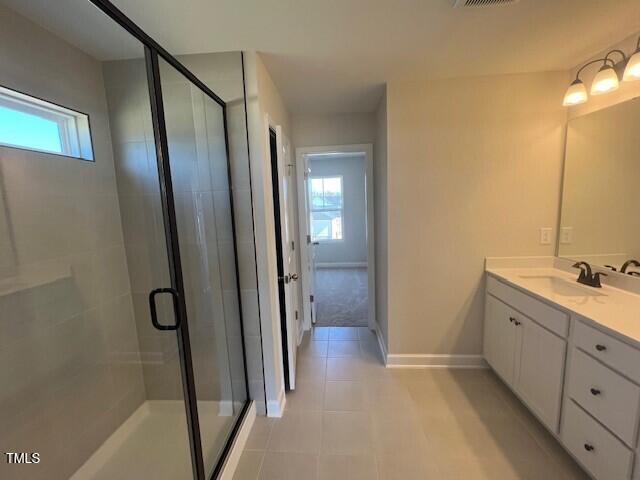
576, 94
632, 72
605, 81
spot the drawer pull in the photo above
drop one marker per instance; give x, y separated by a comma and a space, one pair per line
595, 391
600, 348
588, 447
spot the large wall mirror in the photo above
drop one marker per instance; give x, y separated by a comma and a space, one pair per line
600, 218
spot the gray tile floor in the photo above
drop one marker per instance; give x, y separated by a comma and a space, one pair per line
352, 419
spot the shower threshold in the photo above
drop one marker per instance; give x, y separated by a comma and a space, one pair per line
153, 442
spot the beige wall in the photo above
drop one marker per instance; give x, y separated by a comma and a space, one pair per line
474, 170
338, 129
70, 364
380, 179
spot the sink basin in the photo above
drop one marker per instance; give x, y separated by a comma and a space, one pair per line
562, 287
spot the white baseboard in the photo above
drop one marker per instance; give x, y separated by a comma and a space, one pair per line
418, 360
275, 408
341, 264
421, 360
231, 463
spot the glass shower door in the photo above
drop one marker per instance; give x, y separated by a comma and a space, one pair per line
195, 130
87, 383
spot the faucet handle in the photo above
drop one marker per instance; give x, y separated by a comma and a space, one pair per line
596, 279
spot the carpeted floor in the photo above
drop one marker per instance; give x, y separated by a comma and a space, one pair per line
341, 297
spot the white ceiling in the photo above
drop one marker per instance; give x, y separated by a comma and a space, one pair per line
334, 55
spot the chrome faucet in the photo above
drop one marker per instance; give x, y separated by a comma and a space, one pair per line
627, 264
587, 277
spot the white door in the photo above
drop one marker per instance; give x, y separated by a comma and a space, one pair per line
311, 250
285, 171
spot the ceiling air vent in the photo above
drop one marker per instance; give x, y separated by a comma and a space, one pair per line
481, 3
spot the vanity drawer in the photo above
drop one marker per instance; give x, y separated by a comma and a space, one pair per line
608, 350
608, 396
602, 454
552, 319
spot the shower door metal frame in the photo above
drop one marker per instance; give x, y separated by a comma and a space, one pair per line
153, 51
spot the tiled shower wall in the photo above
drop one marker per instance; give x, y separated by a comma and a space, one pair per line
135, 164
68, 346
199, 174
222, 72
142, 221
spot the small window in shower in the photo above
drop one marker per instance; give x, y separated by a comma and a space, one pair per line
33, 124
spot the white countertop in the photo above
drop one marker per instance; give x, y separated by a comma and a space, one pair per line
611, 309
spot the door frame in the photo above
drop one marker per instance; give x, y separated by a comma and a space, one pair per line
274, 161
289, 335
365, 149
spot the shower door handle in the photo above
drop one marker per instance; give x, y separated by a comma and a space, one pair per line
154, 313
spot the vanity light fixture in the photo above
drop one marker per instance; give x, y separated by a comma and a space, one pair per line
607, 79
632, 72
577, 92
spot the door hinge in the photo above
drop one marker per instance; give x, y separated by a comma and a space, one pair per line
293, 245
308, 239
296, 314
311, 298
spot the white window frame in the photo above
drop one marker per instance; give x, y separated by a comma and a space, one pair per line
313, 209
73, 126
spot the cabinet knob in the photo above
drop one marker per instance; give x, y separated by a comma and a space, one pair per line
595, 391
600, 348
512, 319
588, 447
517, 323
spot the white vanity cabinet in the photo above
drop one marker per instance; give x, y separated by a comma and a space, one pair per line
524, 351
579, 377
602, 403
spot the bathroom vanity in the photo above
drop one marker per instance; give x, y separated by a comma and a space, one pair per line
571, 353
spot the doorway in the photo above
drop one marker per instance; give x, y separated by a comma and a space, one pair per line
335, 194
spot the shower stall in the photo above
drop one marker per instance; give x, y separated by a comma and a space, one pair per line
125, 322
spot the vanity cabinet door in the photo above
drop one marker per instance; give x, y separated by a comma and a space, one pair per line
500, 338
540, 371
